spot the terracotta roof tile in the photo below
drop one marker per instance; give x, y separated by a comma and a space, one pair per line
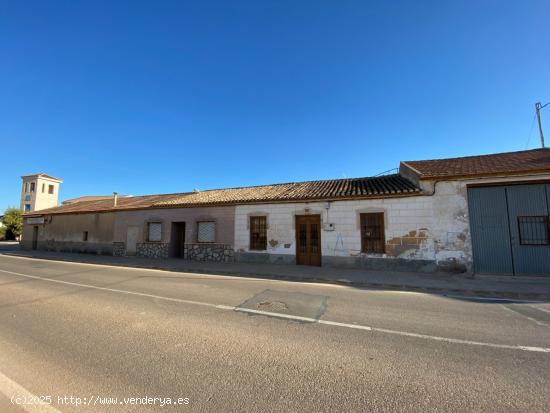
104, 205
534, 160
389, 185
299, 191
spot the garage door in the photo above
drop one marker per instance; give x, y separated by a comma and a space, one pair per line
510, 229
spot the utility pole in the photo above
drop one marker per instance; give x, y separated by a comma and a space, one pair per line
538, 107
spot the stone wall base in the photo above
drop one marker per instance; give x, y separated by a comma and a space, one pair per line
119, 249
208, 252
368, 263
152, 249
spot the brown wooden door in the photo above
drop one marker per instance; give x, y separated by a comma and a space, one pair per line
34, 237
308, 239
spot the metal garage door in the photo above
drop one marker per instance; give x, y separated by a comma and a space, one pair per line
510, 229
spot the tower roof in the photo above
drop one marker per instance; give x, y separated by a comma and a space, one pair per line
43, 175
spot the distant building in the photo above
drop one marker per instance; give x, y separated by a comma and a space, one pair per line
39, 191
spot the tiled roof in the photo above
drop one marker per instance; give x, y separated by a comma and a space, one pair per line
89, 198
535, 160
389, 185
103, 205
301, 191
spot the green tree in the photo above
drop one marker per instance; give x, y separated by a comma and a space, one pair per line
13, 222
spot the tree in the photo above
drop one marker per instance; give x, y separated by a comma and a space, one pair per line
13, 222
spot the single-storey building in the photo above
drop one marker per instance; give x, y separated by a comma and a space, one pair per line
487, 214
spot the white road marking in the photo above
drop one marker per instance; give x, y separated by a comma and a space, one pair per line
495, 299
13, 391
541, 309
186, 274
289, 316
540, 323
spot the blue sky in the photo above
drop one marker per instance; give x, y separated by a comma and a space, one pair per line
159, 97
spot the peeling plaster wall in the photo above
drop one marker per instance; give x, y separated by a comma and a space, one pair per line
66, 233
430, 228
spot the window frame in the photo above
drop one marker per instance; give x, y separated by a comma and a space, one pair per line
382, 229
252, 246
149, 231
215, 231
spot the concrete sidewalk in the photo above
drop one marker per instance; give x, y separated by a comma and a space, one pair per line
527, 288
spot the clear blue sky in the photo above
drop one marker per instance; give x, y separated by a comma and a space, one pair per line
159, 96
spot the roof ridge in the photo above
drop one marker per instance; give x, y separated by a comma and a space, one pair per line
300, 182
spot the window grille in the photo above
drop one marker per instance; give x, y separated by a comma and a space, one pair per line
206, 231
154, 232
533, 230
372, 233
258, 233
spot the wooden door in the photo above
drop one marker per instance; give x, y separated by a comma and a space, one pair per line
131, 240
308, 240
34, 237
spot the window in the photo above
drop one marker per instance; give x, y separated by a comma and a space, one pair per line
26, 187
258, 233
206, 231
534, 230
32, 186
43, 188
50, 189
85, 236
27, 197
372, 233
154, 232
27, 207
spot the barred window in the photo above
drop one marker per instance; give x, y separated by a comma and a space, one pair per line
372, 233
258, 233
154, 232
206, 231
534, 230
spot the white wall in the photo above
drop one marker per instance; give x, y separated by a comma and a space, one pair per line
420, 227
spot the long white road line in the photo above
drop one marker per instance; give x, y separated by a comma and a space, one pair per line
289, 316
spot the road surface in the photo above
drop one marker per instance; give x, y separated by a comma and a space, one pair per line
84, 337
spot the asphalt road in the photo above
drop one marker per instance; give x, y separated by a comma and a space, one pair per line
223, 344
